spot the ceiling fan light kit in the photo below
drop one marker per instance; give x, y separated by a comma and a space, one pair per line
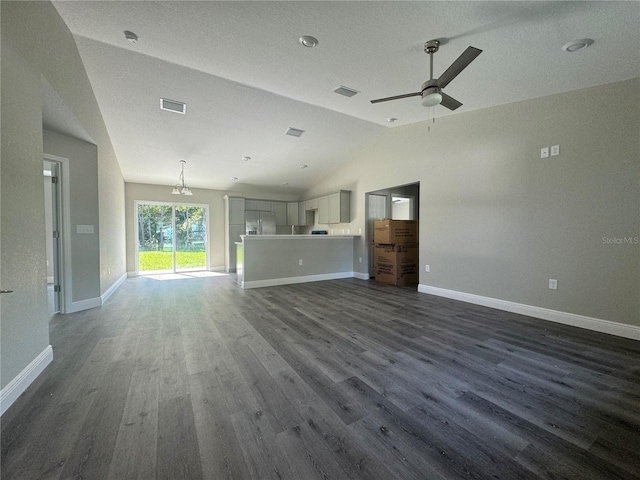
431, 91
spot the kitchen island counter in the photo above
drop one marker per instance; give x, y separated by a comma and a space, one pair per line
267, 260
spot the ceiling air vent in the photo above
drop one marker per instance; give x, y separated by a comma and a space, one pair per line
346, 91
173, 106
294, 132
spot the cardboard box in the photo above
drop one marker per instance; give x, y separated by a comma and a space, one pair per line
397, 264
395, 231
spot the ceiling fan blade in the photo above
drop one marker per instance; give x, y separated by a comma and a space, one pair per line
449, 102
468, 56
397, 97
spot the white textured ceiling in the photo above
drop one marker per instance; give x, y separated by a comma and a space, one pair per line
245, 78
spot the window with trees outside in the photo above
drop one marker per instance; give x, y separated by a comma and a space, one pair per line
171, 238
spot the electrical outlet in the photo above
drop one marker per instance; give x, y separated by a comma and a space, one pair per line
544, 152
553, 284
555, 150
348, 231
332, 231
359, 259
359, 231
427, 268
300, 262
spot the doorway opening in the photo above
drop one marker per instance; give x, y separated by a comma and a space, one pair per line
53, 236
171, 238
397, 203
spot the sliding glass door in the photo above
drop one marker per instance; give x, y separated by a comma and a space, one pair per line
171, 238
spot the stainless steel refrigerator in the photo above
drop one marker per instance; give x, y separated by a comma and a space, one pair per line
260, 223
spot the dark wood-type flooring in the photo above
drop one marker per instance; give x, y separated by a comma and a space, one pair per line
343, 379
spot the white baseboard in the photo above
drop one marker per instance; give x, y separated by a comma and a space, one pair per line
49, 279
114, 286
132, 274
272, 282
218, 268
361, 276
589, 323
19, 384
84, 305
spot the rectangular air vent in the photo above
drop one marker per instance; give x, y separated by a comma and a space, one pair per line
346, 91
294, 132
173, 106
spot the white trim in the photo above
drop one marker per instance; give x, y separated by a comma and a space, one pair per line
132, 274
111, 290
361, 276
65, 279
17, 386
218, 268
49, 280
301, 279
589, 323
84, 305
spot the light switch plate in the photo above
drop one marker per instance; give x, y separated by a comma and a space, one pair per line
553, 284
544, 152
555, 150
84, 229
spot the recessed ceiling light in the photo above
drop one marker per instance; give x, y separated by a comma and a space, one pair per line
391, 119
308, 41
173, 106
132, 37
302, 167
246, 159
234, 178
346, 91
576, 45
294, 132
285, 183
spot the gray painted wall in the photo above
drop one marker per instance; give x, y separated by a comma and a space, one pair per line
37, 45
498, 221
83, 189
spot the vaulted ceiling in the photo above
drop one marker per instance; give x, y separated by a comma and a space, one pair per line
245, 78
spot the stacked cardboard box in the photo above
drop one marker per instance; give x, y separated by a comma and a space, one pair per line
396, 251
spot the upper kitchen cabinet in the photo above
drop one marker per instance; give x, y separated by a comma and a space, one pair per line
235, 210
323, 210
280, 209
305, 217
311, 204
335, 208
340, 207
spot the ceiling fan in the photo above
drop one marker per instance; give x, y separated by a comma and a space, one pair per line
431, 91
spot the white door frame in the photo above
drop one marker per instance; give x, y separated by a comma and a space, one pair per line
64, 215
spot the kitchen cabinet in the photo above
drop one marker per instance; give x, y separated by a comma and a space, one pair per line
305, 217
323, 210
334, 208
293, 217
250, 205
236, 210
263, 205
340, 207
280, 209
233, 228
311, 204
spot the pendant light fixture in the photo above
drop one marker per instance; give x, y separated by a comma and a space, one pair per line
181, 188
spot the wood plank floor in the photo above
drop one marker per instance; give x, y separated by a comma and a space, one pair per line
196, 378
